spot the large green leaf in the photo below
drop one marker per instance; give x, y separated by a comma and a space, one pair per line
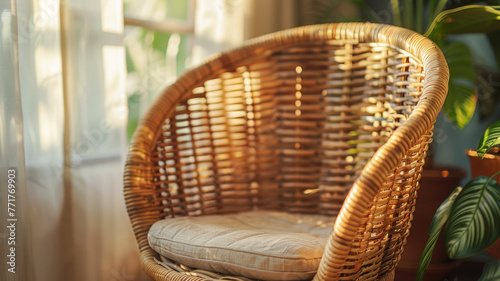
440, 218
490, 138
435, 9
443, 212
425, 258
465, 19
474, 222
461, 101
491, 272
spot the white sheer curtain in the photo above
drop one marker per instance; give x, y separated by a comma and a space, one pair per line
62, 129
225, 24
63, 117
12, 157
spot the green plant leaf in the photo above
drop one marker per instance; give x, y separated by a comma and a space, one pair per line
443, 212
437, 9
461, 101
426, 257
408, 14
491, 272
440, 218
474, 218
491, 137
465, 19
419, 16
396, 13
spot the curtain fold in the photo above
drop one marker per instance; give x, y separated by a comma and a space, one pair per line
221, 25
63, 115
63, 129
15, 235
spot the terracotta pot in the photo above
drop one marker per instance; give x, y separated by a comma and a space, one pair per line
487, 166
436, 185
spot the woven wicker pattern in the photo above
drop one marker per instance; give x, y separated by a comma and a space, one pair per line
328, 119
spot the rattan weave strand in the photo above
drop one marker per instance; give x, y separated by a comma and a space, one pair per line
327, 119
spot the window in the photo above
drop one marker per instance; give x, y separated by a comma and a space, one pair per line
158, 38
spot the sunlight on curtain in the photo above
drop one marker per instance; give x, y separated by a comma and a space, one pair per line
225, 24
41, 94
219, 25
64, 113
73, 103
14, 234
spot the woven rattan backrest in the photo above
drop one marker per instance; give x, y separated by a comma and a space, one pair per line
290, 129
295, 121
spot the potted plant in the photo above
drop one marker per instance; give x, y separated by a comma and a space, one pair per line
470, 216
467, 231
437, 181
485, 161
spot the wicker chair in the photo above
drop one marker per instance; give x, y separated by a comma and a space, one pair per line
328, 119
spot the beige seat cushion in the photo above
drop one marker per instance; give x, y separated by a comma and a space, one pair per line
264, 245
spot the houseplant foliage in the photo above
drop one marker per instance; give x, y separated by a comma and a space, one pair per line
461, 101
472, 218
471, 215
491, 272
490, 139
